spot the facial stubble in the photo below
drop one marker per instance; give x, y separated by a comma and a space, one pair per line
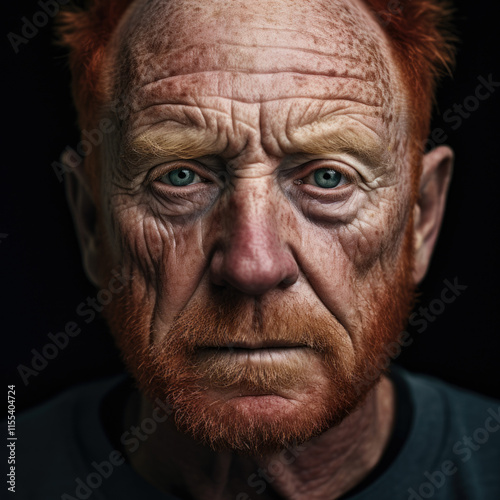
191, 368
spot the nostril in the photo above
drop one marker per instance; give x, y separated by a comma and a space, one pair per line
290, 280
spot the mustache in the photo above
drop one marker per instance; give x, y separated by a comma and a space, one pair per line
212, 337
231, 321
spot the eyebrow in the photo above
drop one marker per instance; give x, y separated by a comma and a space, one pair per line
189, 143
367, 147
179, 142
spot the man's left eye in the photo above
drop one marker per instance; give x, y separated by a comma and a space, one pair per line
181, 177
325, 178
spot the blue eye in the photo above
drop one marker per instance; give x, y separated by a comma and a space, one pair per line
327, 178
180, 177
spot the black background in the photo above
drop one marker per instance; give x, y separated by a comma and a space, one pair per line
42, 280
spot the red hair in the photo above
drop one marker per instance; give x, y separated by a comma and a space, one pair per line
423, 43
86, 31
419, 31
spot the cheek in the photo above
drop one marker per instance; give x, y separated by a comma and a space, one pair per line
372, 241
167, 258
351, 266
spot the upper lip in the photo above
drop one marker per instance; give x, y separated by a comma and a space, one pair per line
256, 345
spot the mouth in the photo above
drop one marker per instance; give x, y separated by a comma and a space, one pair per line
252, 346
257, 352
257, 367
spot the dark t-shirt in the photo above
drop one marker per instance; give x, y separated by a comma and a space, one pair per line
445, 446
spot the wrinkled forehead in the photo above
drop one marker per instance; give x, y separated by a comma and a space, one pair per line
330, 48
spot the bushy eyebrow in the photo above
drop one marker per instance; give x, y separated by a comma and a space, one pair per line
367, 147
179, 142
187, 143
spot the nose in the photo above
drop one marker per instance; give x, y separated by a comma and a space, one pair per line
252, 254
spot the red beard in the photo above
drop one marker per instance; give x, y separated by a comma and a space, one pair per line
193, 369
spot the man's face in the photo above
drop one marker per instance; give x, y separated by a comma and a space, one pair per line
259, 193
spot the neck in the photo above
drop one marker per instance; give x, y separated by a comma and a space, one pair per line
325, 467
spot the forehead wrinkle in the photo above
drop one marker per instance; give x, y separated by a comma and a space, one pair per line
210, 26
174, 57
347, 33
262, 60
256, 87
335, 23
184, 114
341, 51
349, 37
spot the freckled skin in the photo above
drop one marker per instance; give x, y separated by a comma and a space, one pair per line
254, 115
259, 78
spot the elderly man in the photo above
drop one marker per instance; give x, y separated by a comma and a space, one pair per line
257, 175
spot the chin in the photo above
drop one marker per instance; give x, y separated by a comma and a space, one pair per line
252, 408
258, 425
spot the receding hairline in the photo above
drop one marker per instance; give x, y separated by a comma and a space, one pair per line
126, 39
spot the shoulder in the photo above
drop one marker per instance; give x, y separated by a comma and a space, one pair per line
458, 433
461, 408
57, 416
50, 445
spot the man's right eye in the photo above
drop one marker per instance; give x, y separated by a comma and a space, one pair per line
180, 177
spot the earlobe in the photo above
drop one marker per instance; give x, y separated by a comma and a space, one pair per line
429, 209
83, 210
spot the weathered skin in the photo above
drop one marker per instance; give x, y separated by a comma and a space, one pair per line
259, 122
259, 94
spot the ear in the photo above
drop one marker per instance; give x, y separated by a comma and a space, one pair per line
83, 210
429, 209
